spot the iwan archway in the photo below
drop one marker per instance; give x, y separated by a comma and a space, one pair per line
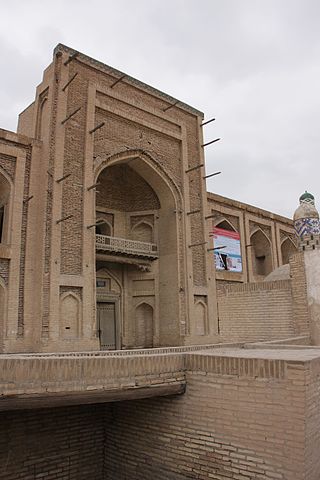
137, 204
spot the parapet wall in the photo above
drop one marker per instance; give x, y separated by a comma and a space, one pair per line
246, 415
256, 311
241, 418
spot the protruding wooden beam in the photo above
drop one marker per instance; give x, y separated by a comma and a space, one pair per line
171, 106
28, 199
63, 178
71, 115
94, 185
95, 224
97, 127
197, 244
69, 81
209, 143
63, 219
215, 248
212, 175
118, 81
71, 57
208, 121
194, 168
193, 211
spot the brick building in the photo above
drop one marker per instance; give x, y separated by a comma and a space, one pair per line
106, 222
162, 364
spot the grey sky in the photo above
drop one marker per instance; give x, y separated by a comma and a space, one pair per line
252, 64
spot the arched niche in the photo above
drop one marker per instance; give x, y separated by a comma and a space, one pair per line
200, 318
70, 315
169, 227
288, 248
112, 283
103, 227
225, 225
123, 189
2, 312
143, 232
143, 317
5, 188
262, 263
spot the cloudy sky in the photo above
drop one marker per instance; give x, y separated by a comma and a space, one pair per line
254, 65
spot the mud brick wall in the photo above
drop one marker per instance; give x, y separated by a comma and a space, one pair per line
226, 426
256, 311
52, 444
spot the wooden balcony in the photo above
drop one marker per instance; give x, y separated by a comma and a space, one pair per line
124, 246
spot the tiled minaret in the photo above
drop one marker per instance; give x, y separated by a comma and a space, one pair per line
306, 223
307, 227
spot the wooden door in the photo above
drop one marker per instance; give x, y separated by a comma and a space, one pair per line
106, 313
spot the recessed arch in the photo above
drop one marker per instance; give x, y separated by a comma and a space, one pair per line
166, 233
144, 325
103, 227
5, 193
262, 263
105, 272
225, 224
200, 317
142, 231
70, 315
288, 248
138, 159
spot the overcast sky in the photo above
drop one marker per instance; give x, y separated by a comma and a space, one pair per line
254, 65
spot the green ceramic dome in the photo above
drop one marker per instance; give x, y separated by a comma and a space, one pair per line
306, 196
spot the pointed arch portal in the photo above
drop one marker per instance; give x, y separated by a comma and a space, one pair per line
143, 202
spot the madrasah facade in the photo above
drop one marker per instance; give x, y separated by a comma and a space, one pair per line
176, 330
106, 223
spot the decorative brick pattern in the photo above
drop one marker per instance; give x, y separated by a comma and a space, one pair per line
23, 242
72, 191
49, 201
4, 270
76, 290
8, 164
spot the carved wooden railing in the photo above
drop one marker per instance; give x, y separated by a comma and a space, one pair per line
126, 246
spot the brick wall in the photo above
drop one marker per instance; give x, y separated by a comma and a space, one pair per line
258, 311
123, 189
313, 421
245, 415
300, 308
61, 443
240, 419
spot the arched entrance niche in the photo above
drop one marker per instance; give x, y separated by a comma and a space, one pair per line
143, 200
288, 248
103, 227
4, 207
109, 306
262, 263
